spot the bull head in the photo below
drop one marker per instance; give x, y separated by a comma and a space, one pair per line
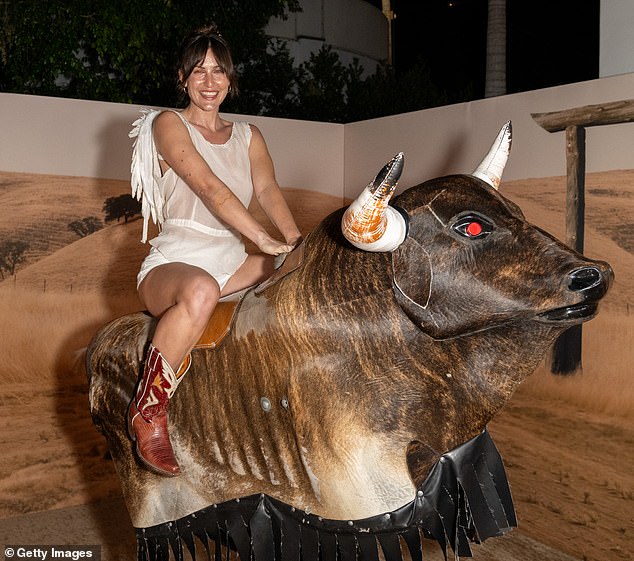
472, 229
508, 270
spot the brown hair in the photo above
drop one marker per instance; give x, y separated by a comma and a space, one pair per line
194, 49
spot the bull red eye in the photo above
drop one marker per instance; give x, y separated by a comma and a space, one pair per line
474, 229
472, 226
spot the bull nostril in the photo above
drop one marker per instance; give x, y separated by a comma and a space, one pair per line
584, 278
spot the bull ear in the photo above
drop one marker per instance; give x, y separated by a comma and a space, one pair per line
491, 168
369, 223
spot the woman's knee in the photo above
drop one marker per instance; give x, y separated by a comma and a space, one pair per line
200, 295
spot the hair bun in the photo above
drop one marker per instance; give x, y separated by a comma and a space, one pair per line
209, 29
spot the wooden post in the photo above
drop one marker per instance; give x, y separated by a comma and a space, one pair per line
567, 348
575, 183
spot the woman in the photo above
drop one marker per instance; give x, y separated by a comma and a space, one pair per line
195, 173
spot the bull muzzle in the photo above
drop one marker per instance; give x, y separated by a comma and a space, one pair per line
591, 283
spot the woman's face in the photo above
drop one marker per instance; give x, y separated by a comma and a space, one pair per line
207, 85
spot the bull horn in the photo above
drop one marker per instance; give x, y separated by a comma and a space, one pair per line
491, 168
369, 223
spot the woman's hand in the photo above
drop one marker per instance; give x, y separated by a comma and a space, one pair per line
295, 241
267, 244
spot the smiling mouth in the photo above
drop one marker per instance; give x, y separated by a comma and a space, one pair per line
570, 314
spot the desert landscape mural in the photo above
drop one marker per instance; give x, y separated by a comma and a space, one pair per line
567, 442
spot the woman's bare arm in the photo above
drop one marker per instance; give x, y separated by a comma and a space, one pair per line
267, 189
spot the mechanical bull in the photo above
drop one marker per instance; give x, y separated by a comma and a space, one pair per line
344, 415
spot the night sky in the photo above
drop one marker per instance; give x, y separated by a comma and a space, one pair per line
549, 42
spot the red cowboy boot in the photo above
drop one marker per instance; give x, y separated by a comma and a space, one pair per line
147, 414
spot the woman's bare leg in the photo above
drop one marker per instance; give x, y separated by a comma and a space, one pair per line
183, 297
255, 269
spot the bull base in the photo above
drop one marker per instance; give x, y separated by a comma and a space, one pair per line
465, 498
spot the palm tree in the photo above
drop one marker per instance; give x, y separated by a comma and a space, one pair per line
389, 15
495, 80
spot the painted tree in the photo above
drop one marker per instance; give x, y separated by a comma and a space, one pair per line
123, 206
11, 254
85, 226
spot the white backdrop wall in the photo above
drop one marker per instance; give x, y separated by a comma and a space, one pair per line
453, 139
90, 139
85, 138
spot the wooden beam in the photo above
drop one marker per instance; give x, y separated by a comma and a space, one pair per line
587, 116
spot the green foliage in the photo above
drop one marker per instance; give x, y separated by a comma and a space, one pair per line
123, 206
124, 51
117, 50
268, 88
85, 226
11, 254
322, 83
323, 89
387, 93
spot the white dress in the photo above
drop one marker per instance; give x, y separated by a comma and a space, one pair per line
188, 231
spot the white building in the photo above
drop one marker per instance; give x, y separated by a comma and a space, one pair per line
353, 28
616, 43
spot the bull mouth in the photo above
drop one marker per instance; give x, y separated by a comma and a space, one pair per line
570, 314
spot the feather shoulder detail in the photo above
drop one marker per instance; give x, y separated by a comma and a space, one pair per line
145, 170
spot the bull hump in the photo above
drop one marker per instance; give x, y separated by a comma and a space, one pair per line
334, 271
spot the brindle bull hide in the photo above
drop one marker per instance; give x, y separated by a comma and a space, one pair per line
349, 404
